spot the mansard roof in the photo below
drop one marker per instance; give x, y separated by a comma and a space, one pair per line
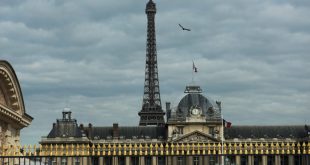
267, 132
138, 132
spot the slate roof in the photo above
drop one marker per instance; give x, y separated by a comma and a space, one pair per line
130, 132
267, 132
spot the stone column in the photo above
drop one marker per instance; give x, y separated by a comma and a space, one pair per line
205, 160
115, 160
154, 160
174, 160
291, 160
127, 160
264, 160
141, 160
277, 160
250, 160
100, 159
189, 160
238, 160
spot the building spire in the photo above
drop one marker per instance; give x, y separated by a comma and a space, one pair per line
151, 113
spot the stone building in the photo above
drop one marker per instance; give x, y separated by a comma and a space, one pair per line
13, 116
193, 133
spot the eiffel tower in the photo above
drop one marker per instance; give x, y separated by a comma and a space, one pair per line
151, 113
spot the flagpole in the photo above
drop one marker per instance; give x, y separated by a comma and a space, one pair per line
193, 72
222, 139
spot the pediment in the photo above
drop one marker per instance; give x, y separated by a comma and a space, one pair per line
195, 137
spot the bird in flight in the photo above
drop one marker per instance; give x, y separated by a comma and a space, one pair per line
184, 28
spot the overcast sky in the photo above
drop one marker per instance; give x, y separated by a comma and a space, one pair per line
252, 55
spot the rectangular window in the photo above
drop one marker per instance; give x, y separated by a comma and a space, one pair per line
181, 160
148, 160
64, 161
161, 160
108, 160
211, 131
270, 160
121, 160
77, 161
196, 160
244, 159
135, 160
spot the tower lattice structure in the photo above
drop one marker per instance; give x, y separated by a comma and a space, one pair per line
151, 113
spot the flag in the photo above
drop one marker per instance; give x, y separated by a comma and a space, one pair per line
194, 68
226, 124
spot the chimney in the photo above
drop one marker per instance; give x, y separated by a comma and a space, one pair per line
115, 131
69, 114
168, 110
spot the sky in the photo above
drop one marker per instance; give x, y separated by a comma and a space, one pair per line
252, 55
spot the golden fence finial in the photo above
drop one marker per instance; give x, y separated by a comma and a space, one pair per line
135, 149
193, 148
78, 153
140, 149
182, 149
214, 148
114, 149
109, 149
172, 149
251, 148
130, 149
272, 148
161, 149
146, 149
187, 149
208, 149
293, 148
156, 149
61, 150
177, 148
298, 148
151, 149
72, 150
261, 145
103, 147
304, 148
308, 147
224, 148
93, 148
99, 149
203, 148
282, 148
235, 148
125, 149
167, 149
198, 149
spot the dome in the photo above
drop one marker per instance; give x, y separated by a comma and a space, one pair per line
195, 99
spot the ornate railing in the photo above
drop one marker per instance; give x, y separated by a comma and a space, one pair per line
160, 149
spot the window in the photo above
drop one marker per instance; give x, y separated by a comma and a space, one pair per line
148, 160
135, 160
108, 160
211, 131
270, 160
195, 160
213, 160
244, 159
77, 161
181, 160
64, 161
161, 160
121, 160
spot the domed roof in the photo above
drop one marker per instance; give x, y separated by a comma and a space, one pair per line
195, 99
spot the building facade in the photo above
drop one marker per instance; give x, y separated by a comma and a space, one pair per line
13, 116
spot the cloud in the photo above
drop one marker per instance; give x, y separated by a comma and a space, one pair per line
251, 55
